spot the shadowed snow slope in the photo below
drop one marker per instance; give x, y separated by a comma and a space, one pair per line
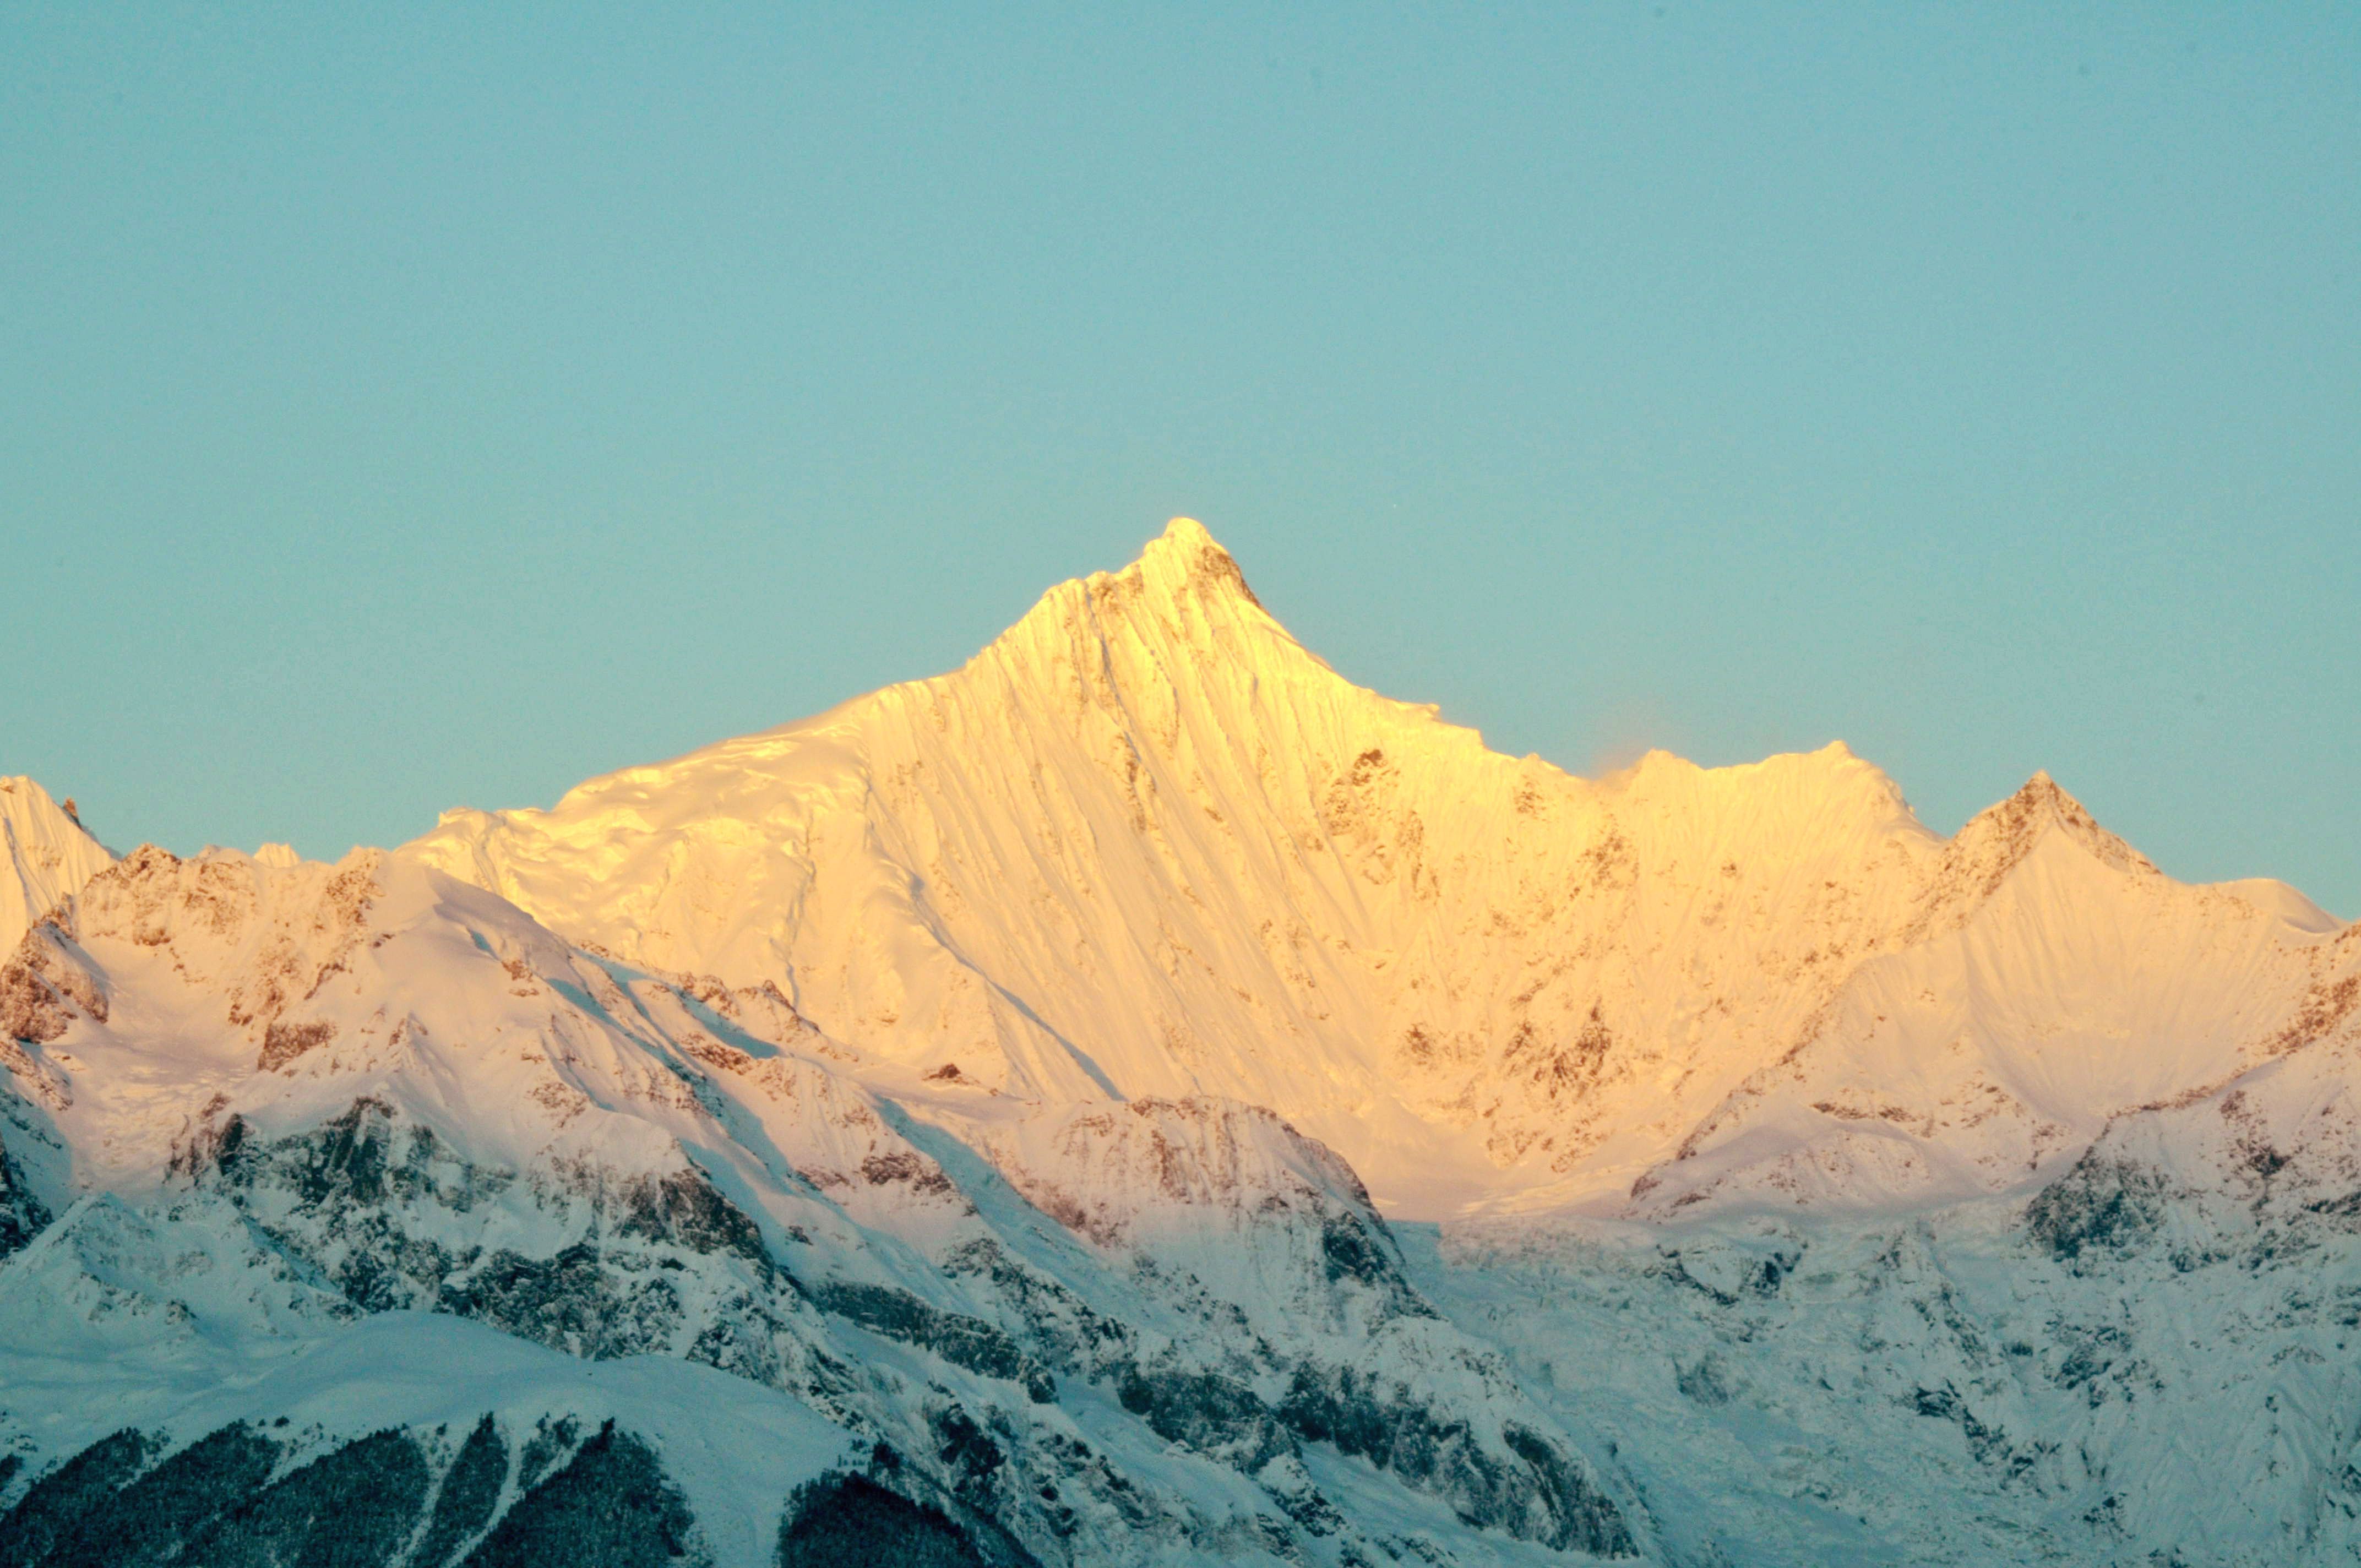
1146, 844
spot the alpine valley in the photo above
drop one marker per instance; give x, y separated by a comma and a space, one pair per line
1140, 1099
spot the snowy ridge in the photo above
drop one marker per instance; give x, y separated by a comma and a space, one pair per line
49, 856
2067, 984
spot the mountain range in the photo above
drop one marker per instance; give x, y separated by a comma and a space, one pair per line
1141, 1098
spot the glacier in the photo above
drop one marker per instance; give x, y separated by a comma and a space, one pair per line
1140, 1098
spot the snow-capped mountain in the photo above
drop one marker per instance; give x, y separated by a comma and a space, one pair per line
937, 1131
1146, 844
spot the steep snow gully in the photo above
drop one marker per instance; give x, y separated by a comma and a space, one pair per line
1142, 1099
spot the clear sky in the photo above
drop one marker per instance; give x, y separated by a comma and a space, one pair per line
432, 406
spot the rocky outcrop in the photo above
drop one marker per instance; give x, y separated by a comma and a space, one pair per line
2104, 1201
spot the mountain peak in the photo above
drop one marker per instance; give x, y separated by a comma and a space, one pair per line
1184, 532
1182, 586
1185, 557
1996, 840
2043, 798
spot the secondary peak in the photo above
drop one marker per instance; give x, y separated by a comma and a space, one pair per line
2042, 792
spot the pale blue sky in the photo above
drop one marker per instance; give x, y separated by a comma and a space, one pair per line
438, 407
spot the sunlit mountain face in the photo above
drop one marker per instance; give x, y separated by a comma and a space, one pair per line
1140, 1098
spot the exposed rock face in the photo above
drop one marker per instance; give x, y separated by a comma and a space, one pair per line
2100, 1202
44, 988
